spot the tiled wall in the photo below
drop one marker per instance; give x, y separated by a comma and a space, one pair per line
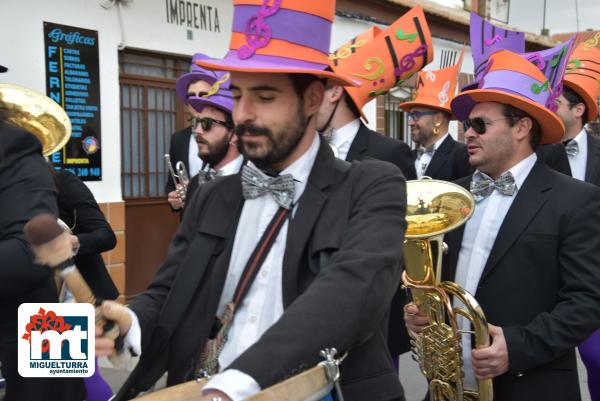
115, 259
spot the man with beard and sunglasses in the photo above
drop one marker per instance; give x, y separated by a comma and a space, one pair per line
529, 254
213, 131
182, 147
297, 253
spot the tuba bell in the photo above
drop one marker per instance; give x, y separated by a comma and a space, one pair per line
36, 113
434, 208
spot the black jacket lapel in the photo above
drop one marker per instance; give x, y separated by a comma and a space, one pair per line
529, 199
440, 157
301, 226
592, 167
359, 144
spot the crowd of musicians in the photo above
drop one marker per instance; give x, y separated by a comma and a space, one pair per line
293, 218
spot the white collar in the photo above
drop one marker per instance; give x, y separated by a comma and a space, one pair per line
346, 133
581, 138
233, 166
521, 170
438, 143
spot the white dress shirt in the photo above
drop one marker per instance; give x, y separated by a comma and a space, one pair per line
233, 167
579, 161
343, 137
263, 305
194, 161
478, 239
422, 162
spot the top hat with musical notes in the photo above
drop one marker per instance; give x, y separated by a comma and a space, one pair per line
197, 73
511, 79
280, 36
383, 59
436, 89
583, 74
487, 39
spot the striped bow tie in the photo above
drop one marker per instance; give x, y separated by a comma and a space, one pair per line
572, 148
255, 184
482, 185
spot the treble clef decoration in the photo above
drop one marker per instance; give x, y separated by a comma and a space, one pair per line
407, 62
593, 42
346, 51
258, 33
217, 85
443, 95
537, 89
551, 102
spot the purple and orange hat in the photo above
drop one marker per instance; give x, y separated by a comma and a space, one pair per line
280, 36
514, 80
197, 73
218, 96
583, 75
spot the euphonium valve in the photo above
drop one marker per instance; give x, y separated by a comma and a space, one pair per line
434, 208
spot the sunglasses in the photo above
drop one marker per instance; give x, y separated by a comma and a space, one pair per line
415, 115
479, 125
207, 123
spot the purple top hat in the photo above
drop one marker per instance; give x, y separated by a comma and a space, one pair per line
197, 74
281, 36
487, 39
218, 96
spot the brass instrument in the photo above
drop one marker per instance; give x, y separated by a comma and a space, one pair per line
434, 208
310, 385
37, 114
180, 176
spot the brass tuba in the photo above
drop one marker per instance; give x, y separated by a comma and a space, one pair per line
37, 114
434, 208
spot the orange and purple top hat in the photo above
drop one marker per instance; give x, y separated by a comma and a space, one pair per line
197, 74
583, 76
436, 89
280, 36
512, 79
381, 60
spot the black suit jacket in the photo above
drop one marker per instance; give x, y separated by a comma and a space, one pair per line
80, 211
592, 168
341, 268
541, 283
26, 190
179, 151
555, 157
450, 161
371, 144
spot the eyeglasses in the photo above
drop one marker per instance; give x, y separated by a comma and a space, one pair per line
479, 124
206, 123
415, 115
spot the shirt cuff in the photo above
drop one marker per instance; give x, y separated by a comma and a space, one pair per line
133, 338
236, 384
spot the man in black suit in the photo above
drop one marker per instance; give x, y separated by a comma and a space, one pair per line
327, 277
529, 253
26, 190
339, 121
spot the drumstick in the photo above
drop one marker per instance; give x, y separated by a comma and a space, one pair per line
52, 247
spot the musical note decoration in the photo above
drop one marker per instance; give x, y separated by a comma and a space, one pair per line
410, 37
538, 60
593, 42
217, 85
537, 89
369, 63
258, 33
491, 41
346, 51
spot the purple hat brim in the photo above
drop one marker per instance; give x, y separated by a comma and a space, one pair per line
551, 126
222, 103
274, 64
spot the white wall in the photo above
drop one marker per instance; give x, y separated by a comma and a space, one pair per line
145, 27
